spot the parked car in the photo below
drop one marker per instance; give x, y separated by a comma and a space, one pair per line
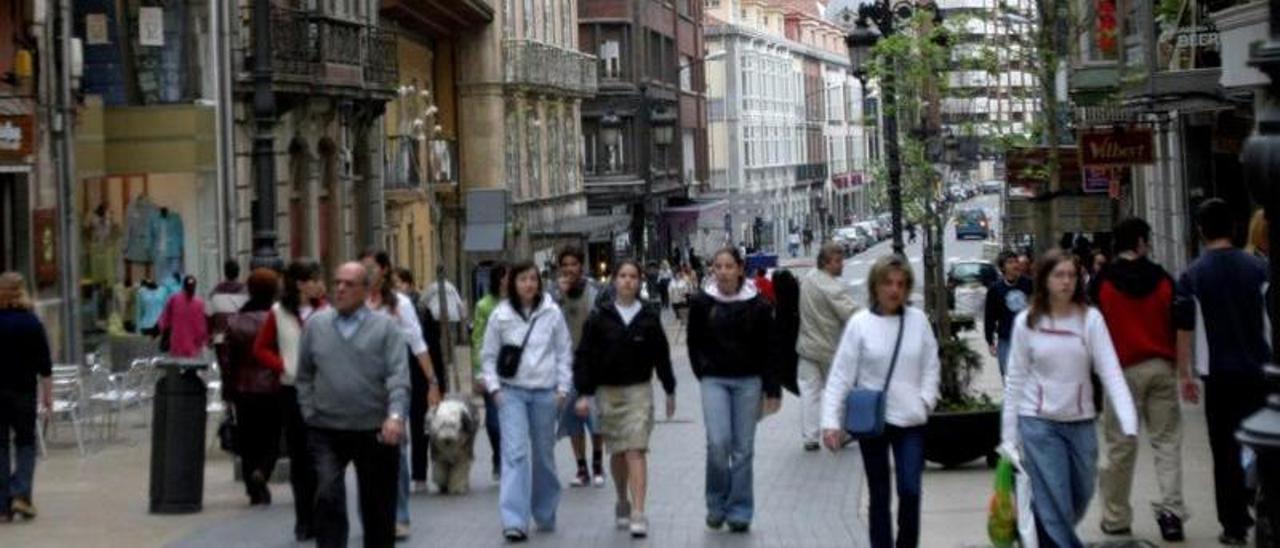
872, 230
972, 223
992, 186
851, 239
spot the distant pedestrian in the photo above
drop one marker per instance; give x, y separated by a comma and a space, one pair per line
664, 283
1135, 297
484, 309
826, 304
764, 285
254, 387
911, 233
730, 352
184, 320
528, 328
682, 286
1259, 241
808, 240
891, 347
1006, 298
226, 299
1222, 330
623, 344
793, 243
1049, 413
277, 346
577, 296
353, 387
27, 370
383, 299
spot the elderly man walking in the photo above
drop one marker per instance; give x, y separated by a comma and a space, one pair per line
825, 305
353, 388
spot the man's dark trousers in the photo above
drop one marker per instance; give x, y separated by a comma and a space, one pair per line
1227, 402
377, 470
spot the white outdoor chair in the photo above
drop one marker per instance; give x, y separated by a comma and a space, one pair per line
114, 394
68, 405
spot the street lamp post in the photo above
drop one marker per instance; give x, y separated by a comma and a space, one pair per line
1261, 159
265, 254
860, 41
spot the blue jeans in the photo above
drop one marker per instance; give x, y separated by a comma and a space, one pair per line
1061, 458
730, 409
491, 428
573, 425
1002, 355
908, 465
17, 415
402, 484
529, 486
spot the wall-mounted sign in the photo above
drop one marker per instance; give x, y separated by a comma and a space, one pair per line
151, 26
1123, 147
1099, 179
17, 138
45, 243
95, 29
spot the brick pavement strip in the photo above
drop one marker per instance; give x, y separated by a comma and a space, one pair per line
802, 499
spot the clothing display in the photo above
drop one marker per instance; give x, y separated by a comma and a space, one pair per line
102, 248
139, 239
151, 300
166, 228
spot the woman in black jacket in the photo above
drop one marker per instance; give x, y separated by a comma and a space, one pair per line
623, 343
733, 356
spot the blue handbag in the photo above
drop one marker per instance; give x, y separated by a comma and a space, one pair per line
864, 407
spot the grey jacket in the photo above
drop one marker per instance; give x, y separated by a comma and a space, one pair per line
356, 383
825, 306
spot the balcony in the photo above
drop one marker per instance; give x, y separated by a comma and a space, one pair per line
811, 172
311, 50
537, 66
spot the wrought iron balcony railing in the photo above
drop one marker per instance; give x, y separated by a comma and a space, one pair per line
811, 172
308, 46
538, 65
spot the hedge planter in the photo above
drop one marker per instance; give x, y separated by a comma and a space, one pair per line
954, 438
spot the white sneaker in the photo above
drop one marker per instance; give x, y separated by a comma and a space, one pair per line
598, 480
639, 526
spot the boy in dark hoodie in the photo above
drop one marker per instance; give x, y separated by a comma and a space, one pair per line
1136, 298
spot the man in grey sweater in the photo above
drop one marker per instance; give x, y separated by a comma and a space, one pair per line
353, 388
826, 304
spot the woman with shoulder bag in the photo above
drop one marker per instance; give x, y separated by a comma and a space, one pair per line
527, 359
887, 355
277, 346
623, 344
1049, 414
732, 352
256, 387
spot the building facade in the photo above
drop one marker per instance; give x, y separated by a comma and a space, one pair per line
644, 133
777, 143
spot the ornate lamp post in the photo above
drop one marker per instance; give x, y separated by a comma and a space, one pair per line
1261, 159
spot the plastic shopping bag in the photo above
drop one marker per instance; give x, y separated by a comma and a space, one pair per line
1026, 519
1002, 520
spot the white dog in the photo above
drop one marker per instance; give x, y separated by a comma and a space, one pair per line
453, 429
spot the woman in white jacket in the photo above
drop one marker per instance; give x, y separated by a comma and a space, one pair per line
1048, 397
529, 401
863, 359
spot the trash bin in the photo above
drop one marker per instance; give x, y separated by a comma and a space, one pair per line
178, 438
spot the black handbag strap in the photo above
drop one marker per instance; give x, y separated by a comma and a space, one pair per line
897, 345
532, 322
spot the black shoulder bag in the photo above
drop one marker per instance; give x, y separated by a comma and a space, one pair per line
510, 354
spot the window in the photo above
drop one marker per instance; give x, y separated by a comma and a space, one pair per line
686, 73
527, 32
610, 59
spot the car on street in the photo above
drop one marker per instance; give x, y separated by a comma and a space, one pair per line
972, 223
872, 230
967, 283
851, 239
991, 186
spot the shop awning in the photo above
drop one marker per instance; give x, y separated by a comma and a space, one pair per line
593, 227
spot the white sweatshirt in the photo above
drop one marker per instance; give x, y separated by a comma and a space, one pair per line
862, 360
547, 360
1049, 370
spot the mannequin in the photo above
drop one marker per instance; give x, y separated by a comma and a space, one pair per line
101, 247
139, 244
167, 228
151, 299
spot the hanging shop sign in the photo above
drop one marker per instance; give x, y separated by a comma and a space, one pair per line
1119, 147
17, 138
45, 235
